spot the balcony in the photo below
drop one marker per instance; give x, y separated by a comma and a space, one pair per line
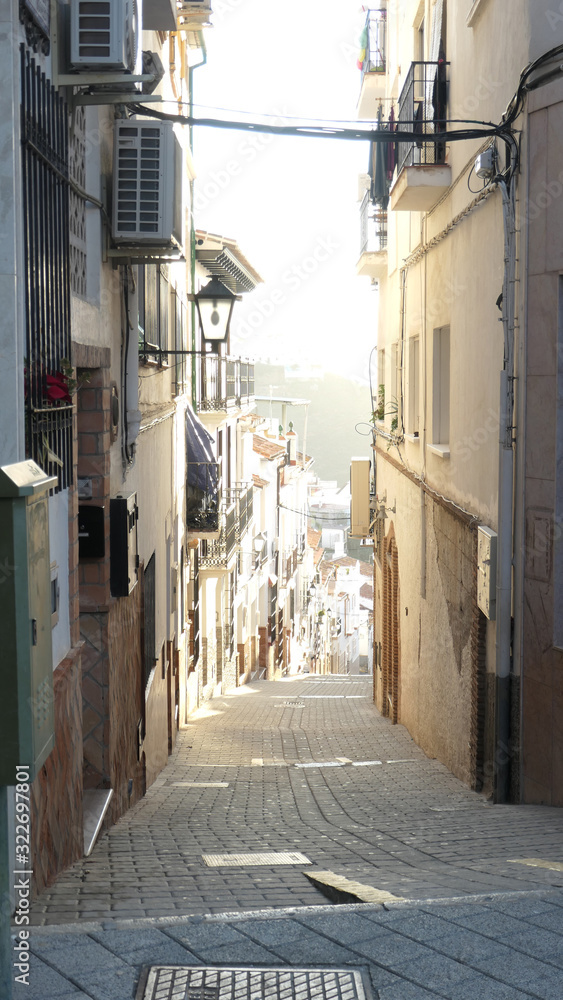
373, 242
234, 516
203, 494
373, 65
226, 384
423, 175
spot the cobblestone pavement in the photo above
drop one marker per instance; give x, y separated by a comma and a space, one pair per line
246, 777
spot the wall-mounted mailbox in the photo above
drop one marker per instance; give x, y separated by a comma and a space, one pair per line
91, 532
124, 569
26, 716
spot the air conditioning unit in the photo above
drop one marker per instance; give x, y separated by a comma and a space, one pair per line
147, 184
105, 35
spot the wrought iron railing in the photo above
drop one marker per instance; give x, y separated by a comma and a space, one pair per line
45, 211
203, 496
375, 37
373, 227
422, 109
234, 517
225, 382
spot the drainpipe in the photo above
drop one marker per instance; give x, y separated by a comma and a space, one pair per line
131, 374
502, 751
191, 70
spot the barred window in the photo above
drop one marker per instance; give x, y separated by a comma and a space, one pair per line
45, 213
77, 205
154, 291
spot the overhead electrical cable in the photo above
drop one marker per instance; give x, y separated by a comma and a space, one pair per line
347, 131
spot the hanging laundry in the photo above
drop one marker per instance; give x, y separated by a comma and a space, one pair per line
439, 101
363, 48
379, 189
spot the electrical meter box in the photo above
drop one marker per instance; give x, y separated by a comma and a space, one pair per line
27, 718
487, 571
124, 569
360, 511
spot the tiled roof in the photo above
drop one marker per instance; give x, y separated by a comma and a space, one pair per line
317, 556
267, 449
260, 483
313, 538
343, 561
366, 590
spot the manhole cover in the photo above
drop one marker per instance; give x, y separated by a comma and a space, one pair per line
165, 982
267, 858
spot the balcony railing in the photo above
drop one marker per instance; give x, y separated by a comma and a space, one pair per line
422, 109
203, 493
374, 39
373, 227
225, 382
234, 517
241, 496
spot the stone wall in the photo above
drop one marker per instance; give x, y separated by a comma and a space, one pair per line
155, 746
94, 629
56, 794
125, 702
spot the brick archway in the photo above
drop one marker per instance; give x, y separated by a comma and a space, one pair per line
391, 649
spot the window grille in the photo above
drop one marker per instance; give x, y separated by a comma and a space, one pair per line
77, 205
45, 211
153, 313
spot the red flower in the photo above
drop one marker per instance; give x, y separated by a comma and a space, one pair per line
57, 388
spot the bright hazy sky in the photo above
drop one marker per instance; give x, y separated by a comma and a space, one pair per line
290, 203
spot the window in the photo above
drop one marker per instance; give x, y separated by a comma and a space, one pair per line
441, 392
380, 400
46, 284
413, 423
178, 326
153, 313
149, 617
419, 47
392, 404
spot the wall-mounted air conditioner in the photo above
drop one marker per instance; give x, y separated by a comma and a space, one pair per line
105, 35
147, 184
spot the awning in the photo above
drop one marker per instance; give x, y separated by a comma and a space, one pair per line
203, 472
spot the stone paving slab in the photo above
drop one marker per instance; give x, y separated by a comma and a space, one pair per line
409, 951
407, 827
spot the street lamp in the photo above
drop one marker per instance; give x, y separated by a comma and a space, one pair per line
214, 305
259, 542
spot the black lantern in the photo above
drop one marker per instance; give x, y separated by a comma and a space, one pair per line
214, 307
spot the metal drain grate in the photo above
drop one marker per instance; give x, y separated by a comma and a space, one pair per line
268, 858
166, 982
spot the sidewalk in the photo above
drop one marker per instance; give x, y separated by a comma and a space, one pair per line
307, 766
497, 947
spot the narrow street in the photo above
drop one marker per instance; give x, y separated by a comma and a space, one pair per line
309, 766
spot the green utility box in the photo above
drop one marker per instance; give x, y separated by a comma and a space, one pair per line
26, 657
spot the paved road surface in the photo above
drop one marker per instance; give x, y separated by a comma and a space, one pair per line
308, 766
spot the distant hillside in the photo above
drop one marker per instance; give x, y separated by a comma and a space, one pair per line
337, 405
